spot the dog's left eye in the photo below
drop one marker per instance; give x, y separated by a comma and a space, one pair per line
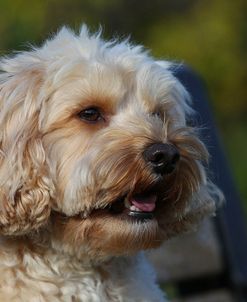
91, 115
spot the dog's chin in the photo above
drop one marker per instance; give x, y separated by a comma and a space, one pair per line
127, 225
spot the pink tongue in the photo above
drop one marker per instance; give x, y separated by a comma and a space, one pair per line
144, 203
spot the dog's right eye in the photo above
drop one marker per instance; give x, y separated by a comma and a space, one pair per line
91, 115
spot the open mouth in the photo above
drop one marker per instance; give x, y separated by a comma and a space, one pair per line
140, 206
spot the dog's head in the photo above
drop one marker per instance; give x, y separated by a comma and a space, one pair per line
95, 146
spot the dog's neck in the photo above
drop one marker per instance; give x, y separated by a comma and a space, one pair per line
33, 254
59, 272
28, 255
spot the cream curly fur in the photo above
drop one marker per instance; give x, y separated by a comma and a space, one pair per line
60, 174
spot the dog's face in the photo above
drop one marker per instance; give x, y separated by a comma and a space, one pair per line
95, 142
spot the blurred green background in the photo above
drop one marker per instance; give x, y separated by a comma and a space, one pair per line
209, 35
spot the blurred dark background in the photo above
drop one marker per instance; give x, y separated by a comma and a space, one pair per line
209, 35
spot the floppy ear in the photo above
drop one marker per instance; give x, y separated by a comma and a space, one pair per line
25, 188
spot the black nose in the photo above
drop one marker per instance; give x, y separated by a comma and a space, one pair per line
162, 157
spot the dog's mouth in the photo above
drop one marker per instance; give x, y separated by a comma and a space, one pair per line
135, 205
140, 206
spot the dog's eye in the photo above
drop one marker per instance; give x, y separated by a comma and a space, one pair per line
90, 115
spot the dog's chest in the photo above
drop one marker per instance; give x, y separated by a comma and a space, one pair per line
56, 279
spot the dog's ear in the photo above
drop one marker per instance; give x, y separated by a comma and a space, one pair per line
25, 188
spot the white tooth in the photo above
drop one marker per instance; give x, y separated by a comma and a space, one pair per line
135, 209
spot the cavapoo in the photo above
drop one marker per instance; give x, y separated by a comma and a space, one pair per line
96, 164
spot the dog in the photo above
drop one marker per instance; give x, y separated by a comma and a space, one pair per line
97, 164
